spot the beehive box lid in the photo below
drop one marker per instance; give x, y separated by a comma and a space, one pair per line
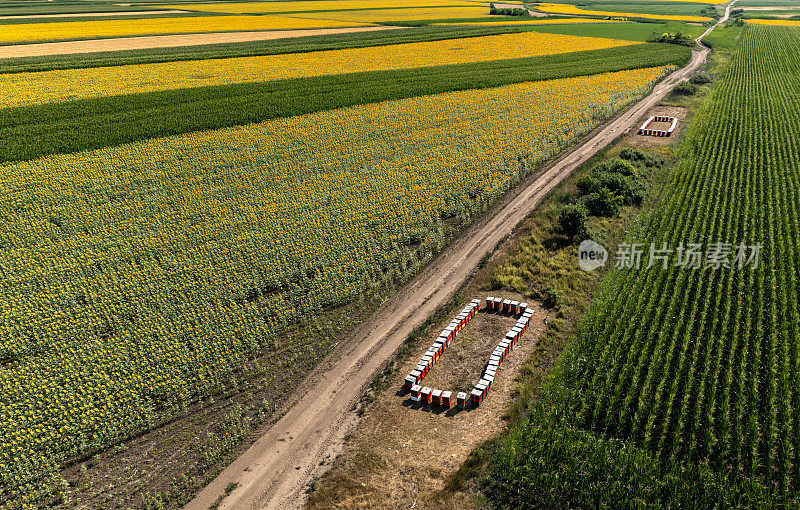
477, 392
416, 388
461, 396
447, 394
426, 390
436, 393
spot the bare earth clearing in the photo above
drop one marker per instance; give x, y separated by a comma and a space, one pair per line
275, 470
167, 41
408, 449
634, 139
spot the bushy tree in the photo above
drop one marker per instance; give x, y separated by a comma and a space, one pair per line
573, 222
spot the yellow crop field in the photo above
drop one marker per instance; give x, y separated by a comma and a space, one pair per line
62, 85
412, 14
572, 10
139, 277
32, 32
775, 22
528, 21
312, 5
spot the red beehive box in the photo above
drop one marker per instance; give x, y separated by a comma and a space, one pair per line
506, 306
408, 382
490, 302
436, 396
447, 398
415, 391
515, 307
498, 304
425, 395
523, 307
476, 397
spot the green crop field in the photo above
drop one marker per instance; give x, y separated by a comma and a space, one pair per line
164, 249
683, 384
80, 125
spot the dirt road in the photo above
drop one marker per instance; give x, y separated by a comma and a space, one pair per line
275, 470
167, 41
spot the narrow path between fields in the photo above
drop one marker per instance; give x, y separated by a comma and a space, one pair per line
167, 41
276, 469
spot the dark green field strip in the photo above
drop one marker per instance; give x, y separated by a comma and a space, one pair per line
429, 22
33, 8
28, 21
684, 369
641, 7
274, 47
95, 123
626, 31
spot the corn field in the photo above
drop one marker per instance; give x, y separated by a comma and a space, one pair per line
684, 385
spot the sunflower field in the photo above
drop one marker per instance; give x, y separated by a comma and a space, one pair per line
21, 89
140, 278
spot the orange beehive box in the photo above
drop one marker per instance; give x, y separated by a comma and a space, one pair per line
425, 395
447, 398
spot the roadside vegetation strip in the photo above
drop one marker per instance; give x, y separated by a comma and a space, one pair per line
297, 43
161, 266
573, 10
76, 30
23, 89
684, 383
95, 123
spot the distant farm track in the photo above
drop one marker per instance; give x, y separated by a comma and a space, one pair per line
274, 471
167, 41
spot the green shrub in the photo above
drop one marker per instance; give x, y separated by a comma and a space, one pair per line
630, 189
616, 166
701, 79
684, 89
603, 202
573, 222
586, 184
640, 158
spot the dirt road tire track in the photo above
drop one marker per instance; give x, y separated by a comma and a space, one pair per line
276, 469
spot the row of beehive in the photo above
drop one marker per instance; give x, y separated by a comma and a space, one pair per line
501, 305
501, 351
412, 380
645, 130
439, 397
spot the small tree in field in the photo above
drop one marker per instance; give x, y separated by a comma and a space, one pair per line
573, 222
